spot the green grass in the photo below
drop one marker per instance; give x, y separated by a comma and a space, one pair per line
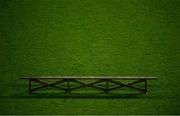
90, 37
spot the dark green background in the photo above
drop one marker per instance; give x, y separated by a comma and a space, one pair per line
90, 37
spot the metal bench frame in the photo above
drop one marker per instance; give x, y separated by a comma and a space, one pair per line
97, 80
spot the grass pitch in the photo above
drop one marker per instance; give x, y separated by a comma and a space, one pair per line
90, 37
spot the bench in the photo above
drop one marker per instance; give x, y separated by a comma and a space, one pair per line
106, 80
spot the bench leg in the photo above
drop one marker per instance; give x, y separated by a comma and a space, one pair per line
30, 86
106, 90
145, 86
68, 86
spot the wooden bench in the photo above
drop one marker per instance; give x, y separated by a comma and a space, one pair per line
117, 81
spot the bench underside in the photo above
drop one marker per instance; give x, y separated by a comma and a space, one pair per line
67, 81
68, 88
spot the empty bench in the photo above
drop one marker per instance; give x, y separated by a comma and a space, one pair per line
105, 80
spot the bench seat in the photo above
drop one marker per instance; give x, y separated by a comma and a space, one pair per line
92, 77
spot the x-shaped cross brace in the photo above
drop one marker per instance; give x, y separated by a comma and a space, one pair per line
45, 84
129, 85
92, 84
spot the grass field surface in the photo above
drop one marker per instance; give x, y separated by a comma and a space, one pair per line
90, 37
